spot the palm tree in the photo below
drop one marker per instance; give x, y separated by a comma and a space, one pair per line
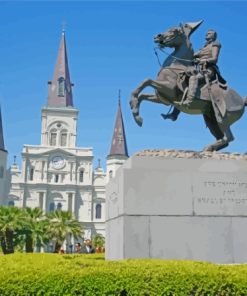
61, 224
34, 226
11, 219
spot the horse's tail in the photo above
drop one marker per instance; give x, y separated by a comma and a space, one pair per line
245, 101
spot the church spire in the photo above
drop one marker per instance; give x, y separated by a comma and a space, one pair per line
119, 144
60, 88
1, 133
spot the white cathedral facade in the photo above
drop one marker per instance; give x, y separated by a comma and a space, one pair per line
57, 174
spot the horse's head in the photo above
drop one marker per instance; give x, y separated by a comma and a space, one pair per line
171, 38
175, 36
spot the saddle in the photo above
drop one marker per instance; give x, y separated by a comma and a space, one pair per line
183, 77
217, 86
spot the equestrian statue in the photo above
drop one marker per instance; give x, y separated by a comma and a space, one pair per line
192, 83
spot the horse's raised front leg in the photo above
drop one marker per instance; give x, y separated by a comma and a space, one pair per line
136, 98
144, 97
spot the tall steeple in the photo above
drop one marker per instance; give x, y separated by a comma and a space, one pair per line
118, 152
1, 133
60, 88
119, 144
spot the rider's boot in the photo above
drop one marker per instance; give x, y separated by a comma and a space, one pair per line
172, 116
193, 84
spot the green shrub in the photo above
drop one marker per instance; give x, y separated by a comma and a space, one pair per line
53, 274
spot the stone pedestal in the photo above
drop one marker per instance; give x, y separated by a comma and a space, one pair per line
178, 205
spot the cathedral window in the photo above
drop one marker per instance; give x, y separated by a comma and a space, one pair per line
11, 203
81, 176
1, 172
63, 139
53, 139
52, 207
98, 211
61, 87
59, 206
56, 178
31, 173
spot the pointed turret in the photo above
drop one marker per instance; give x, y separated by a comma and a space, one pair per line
119, 151
60, 88
1, 133
119, 144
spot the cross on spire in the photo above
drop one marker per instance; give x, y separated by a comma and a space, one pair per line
119, 96
64, 24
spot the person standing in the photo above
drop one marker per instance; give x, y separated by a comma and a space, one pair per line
78, 248
87, 248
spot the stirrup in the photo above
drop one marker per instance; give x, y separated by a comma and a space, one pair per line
187, 102
183, 98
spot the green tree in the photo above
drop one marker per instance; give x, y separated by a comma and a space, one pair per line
62, 224
11, 220
33, 228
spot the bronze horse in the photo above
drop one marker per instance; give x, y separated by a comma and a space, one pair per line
169, 91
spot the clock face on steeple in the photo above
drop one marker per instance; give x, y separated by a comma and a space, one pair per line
58, 162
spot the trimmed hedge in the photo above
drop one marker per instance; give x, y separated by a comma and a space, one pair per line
53, 274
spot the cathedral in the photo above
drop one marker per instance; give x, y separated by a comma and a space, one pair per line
57, 174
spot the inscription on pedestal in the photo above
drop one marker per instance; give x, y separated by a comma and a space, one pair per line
222, 197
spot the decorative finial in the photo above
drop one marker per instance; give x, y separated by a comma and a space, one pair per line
99, 165
14, 159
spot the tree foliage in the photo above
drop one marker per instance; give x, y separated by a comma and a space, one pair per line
30, 228
98, 240
61, 225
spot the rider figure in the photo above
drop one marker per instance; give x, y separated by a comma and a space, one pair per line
207, 59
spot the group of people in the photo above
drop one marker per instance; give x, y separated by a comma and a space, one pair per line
86, 248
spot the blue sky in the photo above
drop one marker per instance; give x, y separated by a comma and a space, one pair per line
110, 47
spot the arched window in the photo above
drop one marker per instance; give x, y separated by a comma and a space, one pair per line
110, 174
1, 172
52, 207
98, 211
61, 87
11, 203
53, 137
63, 138
59, 206
81, 176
